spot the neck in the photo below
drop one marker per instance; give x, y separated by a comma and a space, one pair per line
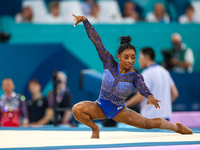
59, 90
8, 94
123, 70
149, 63
36, 96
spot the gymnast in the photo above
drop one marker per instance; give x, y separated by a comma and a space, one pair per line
119, 82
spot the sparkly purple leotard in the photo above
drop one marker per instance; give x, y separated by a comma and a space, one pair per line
115, 87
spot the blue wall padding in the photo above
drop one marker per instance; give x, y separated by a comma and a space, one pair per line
22, 62
91, 81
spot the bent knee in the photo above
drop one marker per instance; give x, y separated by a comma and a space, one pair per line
77, 108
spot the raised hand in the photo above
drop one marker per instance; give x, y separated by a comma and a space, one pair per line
151, 100
78, 19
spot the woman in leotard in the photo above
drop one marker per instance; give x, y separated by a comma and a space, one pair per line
119, 82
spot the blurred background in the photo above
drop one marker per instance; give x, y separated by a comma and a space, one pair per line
38, 36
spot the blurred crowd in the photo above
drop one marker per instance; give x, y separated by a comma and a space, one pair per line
16, 110
103, 12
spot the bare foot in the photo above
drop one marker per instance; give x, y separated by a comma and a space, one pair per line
183, 129
95, 133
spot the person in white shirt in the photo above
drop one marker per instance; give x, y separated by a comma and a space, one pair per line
158, 15
159, 82
189, 16
54, 16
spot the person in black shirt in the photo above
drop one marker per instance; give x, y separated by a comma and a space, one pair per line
38, 111
63, 98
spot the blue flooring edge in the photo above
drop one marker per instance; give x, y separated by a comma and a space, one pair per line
195, 130
108, 145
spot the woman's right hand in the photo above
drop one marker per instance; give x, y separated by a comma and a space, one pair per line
78, 19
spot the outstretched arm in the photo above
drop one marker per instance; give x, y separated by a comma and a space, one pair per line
94, 37
143, 89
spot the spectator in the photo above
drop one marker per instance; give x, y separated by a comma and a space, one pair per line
94, 14
63, 99
12, 106
129, 12
26, 15
159, 83
181, 56
87, 6
159, 15
54, 16
38, 110
189, 16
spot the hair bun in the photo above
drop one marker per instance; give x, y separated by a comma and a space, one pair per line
125, 39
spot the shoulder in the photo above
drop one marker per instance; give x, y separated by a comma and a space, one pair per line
138, 76
166, 18
67, 93
183, 19
150, 15
19, 96
186, 47
148, 71
163, 69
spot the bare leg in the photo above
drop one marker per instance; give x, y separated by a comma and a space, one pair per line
87, 111
132, 118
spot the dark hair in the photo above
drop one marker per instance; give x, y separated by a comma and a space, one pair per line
53, 4
33, 81
190, 7
125, 44
148, 51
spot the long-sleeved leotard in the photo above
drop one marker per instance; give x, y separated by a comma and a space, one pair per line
115, 87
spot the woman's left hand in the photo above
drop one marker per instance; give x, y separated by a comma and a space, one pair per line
78, 19
151, 100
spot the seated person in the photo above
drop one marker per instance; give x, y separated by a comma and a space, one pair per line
26, 15
158, 15
94, 14
12, 106
129, 12
189, 16
54, 16
63, 99
38, 111
181, 58
87, 6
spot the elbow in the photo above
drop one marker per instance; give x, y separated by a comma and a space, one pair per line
177, 94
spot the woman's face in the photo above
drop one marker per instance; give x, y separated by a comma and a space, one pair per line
127, 58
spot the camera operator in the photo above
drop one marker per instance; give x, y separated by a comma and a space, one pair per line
63, 99
179, 58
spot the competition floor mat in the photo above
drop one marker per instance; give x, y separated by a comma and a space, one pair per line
78, 138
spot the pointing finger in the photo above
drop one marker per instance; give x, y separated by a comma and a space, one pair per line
73, 15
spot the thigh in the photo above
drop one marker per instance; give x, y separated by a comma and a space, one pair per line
92, 109
131, 117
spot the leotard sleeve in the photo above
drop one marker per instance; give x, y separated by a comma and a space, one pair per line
141, 86
104, 55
